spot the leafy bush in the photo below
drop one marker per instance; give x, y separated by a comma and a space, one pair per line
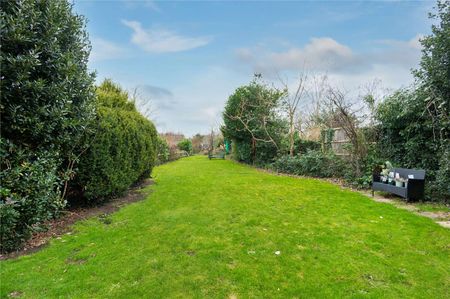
185, 145
162, 150
439, 188
123, 147
29, 190
47, 104
301, 146
414, 124
312, 163
251, 122
47, 94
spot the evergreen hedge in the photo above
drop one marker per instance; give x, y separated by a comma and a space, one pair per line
47, 104
123, 146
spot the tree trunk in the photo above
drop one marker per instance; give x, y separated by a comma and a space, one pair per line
253, 150
291, 135
291, 140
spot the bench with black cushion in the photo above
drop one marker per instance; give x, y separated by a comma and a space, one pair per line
218, 155
414, 189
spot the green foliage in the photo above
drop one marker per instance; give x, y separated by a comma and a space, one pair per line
439, 188
313, 163
252, 123
29, 190
434, 73
47, 98
409, 138
185, 145
162, 150
46, 91
301, 146
123, 147
326, 137
414, 125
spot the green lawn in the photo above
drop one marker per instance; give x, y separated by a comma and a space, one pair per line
210, 229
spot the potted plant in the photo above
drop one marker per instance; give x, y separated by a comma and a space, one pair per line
391, 180
401, 182
386, 168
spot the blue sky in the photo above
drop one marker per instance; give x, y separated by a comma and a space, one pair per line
185, 58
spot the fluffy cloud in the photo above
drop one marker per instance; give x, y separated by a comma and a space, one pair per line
327, 54
161, 40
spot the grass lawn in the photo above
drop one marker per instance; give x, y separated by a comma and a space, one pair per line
210, 229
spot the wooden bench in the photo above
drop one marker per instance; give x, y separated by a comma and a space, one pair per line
218, 155
414, 189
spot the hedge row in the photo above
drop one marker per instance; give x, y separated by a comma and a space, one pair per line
123, 146
313, 163
47, 103
56, 127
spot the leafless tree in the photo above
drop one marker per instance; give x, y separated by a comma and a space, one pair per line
316, 93
346, 116
143, 104
370, 95
290, 104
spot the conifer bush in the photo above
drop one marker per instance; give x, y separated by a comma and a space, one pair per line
122, 148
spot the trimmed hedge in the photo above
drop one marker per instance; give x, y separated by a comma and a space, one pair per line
123, 148
313, 163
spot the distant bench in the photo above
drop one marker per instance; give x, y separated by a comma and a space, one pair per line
218, 155
415, 185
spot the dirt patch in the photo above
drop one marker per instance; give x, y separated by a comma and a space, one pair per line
63, 225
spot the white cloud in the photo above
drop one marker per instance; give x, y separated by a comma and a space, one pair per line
388, 60
319, 54
162, 40
103, 49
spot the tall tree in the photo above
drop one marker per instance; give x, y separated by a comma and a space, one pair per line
433, 76
290, 103
251, 120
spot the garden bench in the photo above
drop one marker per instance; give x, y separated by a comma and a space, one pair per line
218, 155
414, 186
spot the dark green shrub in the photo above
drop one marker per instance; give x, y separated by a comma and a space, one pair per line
47, 103
312, 163
185, 145
123, 147
29, 190
252, 122
439, 188
163, 151
414, 124
303, 146
288, 164
47, 94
